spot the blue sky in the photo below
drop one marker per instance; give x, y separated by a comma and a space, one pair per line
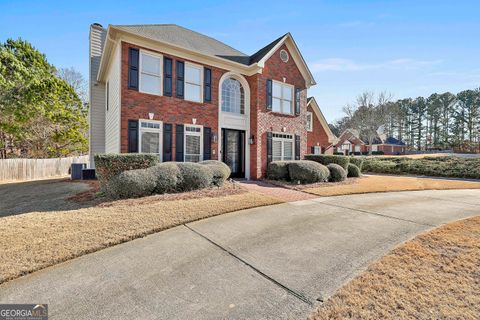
408, 48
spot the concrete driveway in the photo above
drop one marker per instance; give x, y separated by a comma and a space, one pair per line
275, 262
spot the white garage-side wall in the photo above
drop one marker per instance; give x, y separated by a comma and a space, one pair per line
112, 118
96, 114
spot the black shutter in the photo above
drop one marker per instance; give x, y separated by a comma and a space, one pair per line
179, 143
313, 150
167, 142
269, 94
207, 88
167, 77
180, 77
297, 101
207, 143
269, 147
132, 136
297, 147
133, 57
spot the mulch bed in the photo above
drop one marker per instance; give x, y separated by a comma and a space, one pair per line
300, 187
92, 196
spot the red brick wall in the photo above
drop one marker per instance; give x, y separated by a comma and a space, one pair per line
263, 120
388, 149
318, 136
137, 105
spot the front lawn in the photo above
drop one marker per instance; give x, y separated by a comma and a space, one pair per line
434, 276
386, 183
36, 240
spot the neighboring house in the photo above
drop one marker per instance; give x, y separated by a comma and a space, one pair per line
350, 143
390, 146
320, 139
169, 90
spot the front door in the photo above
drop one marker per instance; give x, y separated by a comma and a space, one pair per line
234, 151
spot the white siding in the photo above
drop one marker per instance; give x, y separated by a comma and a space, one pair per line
97, 94
112, 119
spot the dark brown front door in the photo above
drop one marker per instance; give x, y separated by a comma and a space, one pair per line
233, 142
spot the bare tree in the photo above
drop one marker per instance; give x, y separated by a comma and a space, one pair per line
368, 114
76, 80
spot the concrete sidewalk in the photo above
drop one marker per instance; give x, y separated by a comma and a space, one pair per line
272, 262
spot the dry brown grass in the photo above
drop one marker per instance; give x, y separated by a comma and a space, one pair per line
434, 276
370, 184
36, 240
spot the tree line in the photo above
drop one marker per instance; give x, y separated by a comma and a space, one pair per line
43, 110
440, 121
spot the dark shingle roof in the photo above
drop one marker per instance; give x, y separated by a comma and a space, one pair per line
392, 140
257, 56
185, 38
188, 39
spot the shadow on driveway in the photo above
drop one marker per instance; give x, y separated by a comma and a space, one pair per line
44, 195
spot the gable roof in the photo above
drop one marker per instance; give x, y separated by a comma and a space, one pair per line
257, 56
321, 118
392, 140
175, 36
185, 38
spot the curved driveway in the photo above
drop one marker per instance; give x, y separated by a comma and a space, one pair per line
273, 262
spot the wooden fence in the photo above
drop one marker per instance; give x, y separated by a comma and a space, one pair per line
33, 169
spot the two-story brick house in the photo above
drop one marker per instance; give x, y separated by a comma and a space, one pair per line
169, 90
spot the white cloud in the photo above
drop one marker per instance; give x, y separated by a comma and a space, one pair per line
340, 64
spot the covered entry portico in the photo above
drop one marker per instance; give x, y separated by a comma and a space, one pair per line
234, 124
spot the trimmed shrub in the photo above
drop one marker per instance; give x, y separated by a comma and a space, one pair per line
326, 159
380, 166
109, 165
353, 171
193, 176
358, 161
305, 171
278, 170
337, 173
131, 184
220, 171
166, 177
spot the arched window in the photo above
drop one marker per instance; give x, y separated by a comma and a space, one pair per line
233, 96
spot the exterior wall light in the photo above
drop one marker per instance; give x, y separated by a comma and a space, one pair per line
251, 140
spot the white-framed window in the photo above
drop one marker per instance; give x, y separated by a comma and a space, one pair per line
150, 80
150, 136
282, 97
193, 82
282, 146
233, 96
317, 150
374, 147
193, 143
309, 121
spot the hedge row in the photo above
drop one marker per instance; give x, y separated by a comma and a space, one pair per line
326, 159
137, 175
168, 177
305, 171
429, 166
109, 165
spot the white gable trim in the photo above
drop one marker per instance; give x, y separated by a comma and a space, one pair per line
295, 54
116, 35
